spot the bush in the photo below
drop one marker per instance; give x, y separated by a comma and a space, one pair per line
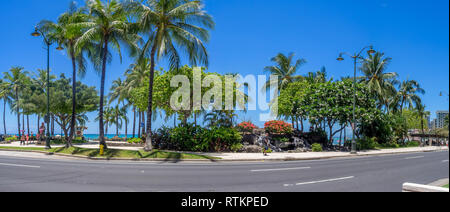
267, 151
220, 139
135, 141
278, 127
317, 147
246, 127
412, 144
236, 147
12, 138
367, 143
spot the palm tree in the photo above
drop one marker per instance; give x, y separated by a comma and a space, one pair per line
5, 95
135, 78
408, 93
16, 80
108, 25
285, 69
67, 32
423, 114
172, 26
379, 82
119, 92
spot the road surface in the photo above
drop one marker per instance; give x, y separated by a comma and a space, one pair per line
360, 174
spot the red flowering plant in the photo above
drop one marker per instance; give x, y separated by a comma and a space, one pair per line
246, 127
278, 127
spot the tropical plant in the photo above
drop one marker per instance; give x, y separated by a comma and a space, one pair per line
171, 26
278, 127
16, 80
285, 69
408, 93
108, 25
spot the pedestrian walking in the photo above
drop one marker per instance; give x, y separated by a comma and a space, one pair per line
41, 131
22, 140
28, 139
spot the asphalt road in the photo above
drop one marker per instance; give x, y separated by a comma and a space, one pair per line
360, 174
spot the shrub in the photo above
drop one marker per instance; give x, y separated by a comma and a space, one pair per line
367, 143
220, 139
412, 144
317, 147
278, 127
267, 151
12, 138
246, 127
135, 141
236, 147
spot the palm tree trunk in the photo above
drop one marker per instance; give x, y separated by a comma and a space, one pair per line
102, 94
74, 100
139, 124
148, 140
28, 124
18, 112
4, 112
38, 123
117, 125
134, 122
53, 125
126, 128
23, 122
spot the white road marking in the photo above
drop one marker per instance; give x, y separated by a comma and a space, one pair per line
415, 157
321, 181
19, 165
285, 169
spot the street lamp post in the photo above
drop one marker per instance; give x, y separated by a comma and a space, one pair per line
48, 43
356, 57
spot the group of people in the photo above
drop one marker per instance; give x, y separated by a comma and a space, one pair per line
25, 138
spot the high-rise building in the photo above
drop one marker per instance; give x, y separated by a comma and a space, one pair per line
440, 118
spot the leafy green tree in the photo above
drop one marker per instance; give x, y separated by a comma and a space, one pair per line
172, 26
108, 25
423, 114
5, 95
62, 109
290, 102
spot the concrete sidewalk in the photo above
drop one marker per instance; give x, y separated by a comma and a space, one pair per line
273, 156
318, 155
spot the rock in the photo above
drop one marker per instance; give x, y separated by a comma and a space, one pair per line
251, 139
251, 149
287, 146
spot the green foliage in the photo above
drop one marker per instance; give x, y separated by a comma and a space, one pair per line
366, 143
236, 147
12, 138
413, 120
317, 147
135, 141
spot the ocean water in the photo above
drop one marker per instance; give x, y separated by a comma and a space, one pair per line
95, 136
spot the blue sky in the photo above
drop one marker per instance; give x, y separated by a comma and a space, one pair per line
249, 32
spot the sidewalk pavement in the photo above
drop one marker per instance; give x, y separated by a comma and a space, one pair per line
273, 156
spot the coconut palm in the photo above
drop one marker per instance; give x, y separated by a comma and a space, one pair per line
172, 26
120, 92
66, 32
16, 80
408, 94
285, 69
107, 26
423, 114
379, 82
5, 95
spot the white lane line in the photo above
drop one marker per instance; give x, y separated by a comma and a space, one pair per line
321, 181
444, 161
414, 157
285, 169
19, 165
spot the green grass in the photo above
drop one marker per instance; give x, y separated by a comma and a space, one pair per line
446, 186
116, 153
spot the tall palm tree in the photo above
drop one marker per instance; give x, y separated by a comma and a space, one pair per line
120, 92
16, 80
285, 69
423, 114
172, 26
379, 82
67, 32
136, 75
408, 93
108, 25
5, 95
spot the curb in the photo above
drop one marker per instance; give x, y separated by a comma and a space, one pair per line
219, 160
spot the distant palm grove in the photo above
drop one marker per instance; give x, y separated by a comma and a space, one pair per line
153, 30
